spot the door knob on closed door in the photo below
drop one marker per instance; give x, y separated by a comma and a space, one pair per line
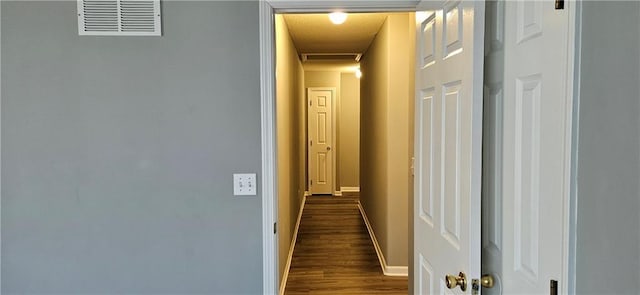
454, 281
486, 281
328, 148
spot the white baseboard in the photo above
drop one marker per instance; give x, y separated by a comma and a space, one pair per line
388, 270
337, 193
285, 275
350, 189
396, 271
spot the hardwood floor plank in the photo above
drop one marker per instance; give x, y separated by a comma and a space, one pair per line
334, 253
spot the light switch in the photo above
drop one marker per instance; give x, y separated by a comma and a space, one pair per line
244, 184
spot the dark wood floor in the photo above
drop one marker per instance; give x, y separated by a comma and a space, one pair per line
334, 253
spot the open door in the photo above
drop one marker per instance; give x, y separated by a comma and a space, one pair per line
536, 151
449, 75
528, 105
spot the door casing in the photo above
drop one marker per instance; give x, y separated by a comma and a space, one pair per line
267, 9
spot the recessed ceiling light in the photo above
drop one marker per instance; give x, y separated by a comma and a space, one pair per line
358, 74
337, 18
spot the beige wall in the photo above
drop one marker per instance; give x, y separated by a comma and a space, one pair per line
347, 129
387, 135
291, 166
322, 79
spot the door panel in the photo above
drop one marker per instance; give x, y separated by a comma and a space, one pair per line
448, 103
536, 43
526, 145
320, 133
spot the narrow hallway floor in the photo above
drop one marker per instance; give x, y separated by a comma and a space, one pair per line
334, 253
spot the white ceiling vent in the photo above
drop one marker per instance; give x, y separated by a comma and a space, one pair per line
119, 17
331, 56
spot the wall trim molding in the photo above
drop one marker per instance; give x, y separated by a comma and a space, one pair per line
0, 150
569, 195
350, 189
269, 170
285, 274
388, 270
337, 193
575, 31
293, 6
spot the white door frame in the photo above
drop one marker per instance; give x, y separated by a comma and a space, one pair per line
267, 9
334, 143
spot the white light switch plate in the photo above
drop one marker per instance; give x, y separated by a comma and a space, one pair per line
244, 184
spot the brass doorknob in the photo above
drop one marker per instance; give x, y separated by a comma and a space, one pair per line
328, 148
460, 280
486, 281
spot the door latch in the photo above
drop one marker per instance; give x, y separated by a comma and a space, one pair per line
486, 281
559, 4
475, 286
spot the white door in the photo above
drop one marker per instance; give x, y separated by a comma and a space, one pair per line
492, 196
527, 112
449, 70
536, 145
320, 133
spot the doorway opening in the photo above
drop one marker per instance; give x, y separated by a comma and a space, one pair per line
344, 118
521, 233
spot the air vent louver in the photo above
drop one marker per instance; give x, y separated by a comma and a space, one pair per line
119, 17
331, 56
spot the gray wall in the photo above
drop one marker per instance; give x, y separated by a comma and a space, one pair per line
117, 153
608, 235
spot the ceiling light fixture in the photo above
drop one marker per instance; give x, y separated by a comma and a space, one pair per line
338, 18
358, 74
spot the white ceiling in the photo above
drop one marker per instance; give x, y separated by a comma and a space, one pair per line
314, 33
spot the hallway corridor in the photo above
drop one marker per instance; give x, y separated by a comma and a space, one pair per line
334, 253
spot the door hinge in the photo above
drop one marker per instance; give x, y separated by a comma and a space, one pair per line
311, 182
310, 102
311, 142
553, 287
275, 227
559, 4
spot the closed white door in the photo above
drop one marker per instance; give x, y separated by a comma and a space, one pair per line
320, 133
449, 70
